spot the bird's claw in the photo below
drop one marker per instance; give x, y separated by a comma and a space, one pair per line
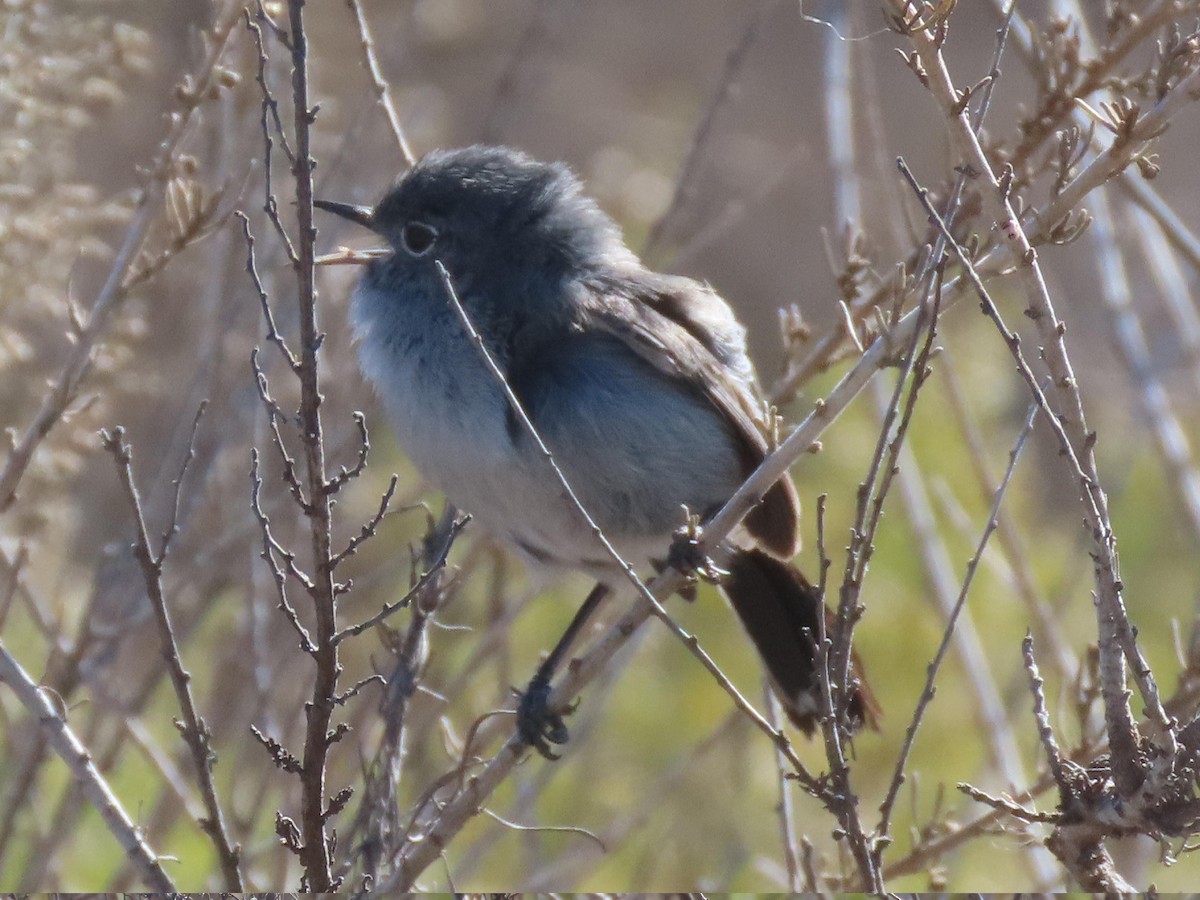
537, 725
686, 555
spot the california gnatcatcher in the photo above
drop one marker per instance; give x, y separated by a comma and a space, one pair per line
637, 382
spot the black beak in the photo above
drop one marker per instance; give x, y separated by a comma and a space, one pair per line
360, 215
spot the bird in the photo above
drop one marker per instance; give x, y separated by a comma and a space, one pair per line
638, 383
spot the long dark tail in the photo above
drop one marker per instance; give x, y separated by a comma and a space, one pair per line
779, 609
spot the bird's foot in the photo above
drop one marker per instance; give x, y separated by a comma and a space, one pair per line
537, 725
686, 554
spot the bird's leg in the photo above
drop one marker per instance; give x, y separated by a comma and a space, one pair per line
539, 726
687, 555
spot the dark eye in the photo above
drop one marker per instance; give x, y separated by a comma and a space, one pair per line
418, 238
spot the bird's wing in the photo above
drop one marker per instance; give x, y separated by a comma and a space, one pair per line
687, 332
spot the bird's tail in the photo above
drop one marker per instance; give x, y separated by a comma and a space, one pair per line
779, 610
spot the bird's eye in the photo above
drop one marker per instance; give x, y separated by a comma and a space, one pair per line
418, 237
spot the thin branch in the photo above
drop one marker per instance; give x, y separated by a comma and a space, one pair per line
372, 525
270, 104
1117, 294
785, 809
375, 830
871, 495
172, 528
1004, 805
271, 547
1054, 756
273, 334
274, 415
339, 481
270, 111
1121, 726
872, 492
346, 696
550, 829
927, 694
1107, 164
84, 772
1046, 628
987, 702
432, 572
383, 94
11, 569
195, 731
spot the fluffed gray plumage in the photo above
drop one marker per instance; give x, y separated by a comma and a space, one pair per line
638, 382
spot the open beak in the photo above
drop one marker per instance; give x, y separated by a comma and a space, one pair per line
360, 215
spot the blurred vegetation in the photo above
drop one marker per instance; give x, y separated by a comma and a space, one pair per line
682, 791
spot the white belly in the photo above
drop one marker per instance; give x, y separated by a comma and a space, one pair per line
450, 418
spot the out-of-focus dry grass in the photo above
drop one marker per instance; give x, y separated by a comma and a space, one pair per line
679, 789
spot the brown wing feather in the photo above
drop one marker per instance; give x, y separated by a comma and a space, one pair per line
688, 332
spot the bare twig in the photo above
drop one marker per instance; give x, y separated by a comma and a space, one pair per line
1046, 629
273, 334
382, 90
871, 495
987, 706
1004, 805
1053, 755
344, 475
372, 525
269, 115
271, 546
1121, 726
1077, 844
189, 454
375, 830
927, 694
194, 729
274, 416
436, 565
77, 757
785, 808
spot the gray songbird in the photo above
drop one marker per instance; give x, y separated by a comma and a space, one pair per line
638, 383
